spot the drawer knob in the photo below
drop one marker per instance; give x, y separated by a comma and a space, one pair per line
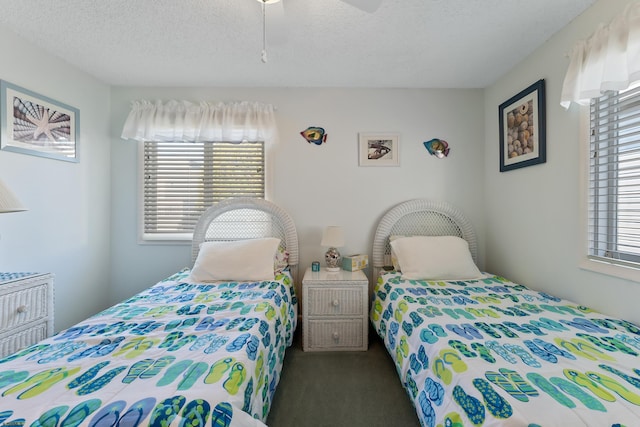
22, 309
336, 336
335, 303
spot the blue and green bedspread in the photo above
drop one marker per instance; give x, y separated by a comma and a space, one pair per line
178, 353
491, 352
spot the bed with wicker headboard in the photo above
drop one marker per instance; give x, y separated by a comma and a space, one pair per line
473, 348
183, 351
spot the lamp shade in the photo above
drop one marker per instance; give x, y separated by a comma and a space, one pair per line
333, 237
8, 201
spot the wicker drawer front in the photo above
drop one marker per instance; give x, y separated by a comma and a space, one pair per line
333, 334
23, 306
24, 338
335, 301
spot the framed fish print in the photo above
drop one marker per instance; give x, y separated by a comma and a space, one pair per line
35, 124
379, 149
523, 129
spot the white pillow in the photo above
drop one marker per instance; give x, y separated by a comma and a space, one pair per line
435, 258
242, 260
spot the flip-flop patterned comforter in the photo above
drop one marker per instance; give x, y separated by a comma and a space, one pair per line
179, 354
494, 353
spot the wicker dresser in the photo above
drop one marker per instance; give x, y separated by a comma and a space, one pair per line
26, 310
335, 311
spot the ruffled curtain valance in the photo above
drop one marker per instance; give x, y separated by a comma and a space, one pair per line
608, 60
204, 121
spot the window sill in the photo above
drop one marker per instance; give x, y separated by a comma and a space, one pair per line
619, 271
166, 239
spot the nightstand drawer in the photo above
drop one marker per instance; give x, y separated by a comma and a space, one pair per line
24, 338
336, 334
23, 306
335, 301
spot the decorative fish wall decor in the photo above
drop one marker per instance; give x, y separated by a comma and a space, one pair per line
437, 147
314, 135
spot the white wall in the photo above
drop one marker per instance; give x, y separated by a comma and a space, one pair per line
320, 185
532, 214
66, 230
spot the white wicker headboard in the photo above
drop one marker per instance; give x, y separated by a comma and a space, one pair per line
420, 217
247, 218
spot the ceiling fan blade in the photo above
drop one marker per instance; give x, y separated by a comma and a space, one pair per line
365, 5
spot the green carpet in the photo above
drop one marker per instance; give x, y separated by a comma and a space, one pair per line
335, 389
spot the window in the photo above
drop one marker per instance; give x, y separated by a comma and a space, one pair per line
182, 179
614, 178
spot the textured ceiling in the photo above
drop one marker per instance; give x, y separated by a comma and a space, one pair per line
321, 43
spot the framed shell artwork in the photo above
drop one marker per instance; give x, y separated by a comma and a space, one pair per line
523, 129
379, 149
37, 125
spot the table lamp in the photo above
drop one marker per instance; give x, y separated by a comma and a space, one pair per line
8, 201
333, 237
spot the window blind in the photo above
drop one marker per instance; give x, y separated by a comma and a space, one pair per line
182, 179
614, 178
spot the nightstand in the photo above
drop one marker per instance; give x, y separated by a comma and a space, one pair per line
26, 314
335, 311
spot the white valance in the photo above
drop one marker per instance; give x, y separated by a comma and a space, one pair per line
608, 60
199, 122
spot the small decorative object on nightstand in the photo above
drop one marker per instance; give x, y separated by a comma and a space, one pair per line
27, 310
333, 238
335, 310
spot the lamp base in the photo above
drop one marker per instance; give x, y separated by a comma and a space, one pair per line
332, 257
